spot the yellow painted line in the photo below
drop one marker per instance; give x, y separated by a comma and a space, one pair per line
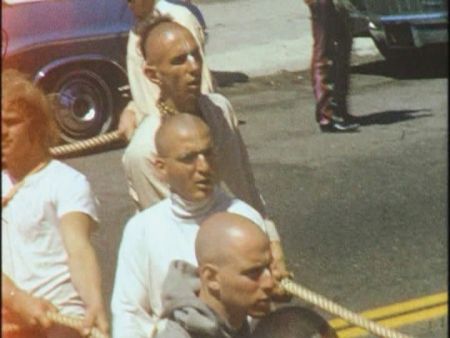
434, 312
395, 309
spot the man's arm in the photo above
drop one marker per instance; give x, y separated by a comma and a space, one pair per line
31, 310
279, 271
84, 269
128, 120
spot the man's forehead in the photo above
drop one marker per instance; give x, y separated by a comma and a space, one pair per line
180, 43
170, 36
191, 142
170, 33
252, 257
254, 262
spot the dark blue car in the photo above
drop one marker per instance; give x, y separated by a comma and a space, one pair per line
76, 48
399, 27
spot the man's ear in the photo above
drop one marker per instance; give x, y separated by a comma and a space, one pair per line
160, 165
209, 275
152, 74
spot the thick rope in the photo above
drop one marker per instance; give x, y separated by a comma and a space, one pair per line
87, 144
336, 309
103, 139
72, 322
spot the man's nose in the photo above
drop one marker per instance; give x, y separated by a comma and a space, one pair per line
203, 163
267, 280
194, 63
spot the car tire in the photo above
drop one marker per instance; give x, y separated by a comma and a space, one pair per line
85, 104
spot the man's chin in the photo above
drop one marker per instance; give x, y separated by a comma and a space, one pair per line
259, 311
203, 194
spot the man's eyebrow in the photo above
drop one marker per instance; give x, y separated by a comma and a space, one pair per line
255, 268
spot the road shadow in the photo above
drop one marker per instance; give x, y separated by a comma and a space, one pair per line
227, 79
429, 63
391, 116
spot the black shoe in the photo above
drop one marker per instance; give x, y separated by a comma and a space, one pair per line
338, 125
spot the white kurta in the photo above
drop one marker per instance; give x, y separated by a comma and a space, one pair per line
152, 240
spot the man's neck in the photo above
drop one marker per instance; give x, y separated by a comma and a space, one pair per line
234, 319
19, 171
172, 107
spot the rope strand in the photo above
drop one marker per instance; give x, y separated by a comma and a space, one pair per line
336, 309
90, 143
69, 321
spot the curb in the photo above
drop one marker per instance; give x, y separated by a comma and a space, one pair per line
267, 59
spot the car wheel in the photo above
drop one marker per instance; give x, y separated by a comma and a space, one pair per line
85, 105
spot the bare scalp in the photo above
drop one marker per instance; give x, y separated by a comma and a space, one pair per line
156, 35
174, 127
224, 233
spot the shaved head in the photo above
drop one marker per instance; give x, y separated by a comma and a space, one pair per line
224, 234
173, 61
157, 36
234, 260
176, 127
186, 156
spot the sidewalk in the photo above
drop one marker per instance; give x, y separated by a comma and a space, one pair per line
261, 37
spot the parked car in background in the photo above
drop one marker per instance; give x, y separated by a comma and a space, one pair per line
399, 27
75, 48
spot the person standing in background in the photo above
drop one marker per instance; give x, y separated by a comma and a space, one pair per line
330, 65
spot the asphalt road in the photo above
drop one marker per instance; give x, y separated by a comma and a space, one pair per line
363, 216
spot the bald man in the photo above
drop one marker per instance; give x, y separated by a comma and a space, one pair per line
174, 63
235, 282
187, 160
145, 93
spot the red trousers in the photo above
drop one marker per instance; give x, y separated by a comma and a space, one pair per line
330, 63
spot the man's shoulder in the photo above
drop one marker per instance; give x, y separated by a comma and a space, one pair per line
171, 329
216, 99
149, 218
61, 172
239, 207
215, 107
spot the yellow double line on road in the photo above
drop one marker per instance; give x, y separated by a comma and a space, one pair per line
398, 314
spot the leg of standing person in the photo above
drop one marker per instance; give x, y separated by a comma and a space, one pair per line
322, 58
343, 46
330, 65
